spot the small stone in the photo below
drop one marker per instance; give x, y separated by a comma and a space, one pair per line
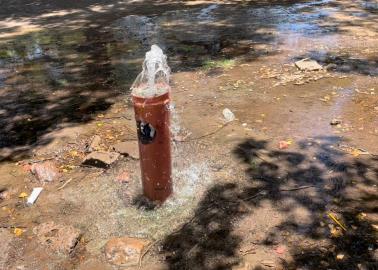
335, 122
101, 159
125, 250
308, 64
128, 148
95, 144
45, 171
59, 238
340, 256
280, 249
283, 145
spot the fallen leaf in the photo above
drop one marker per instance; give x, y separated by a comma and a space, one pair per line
74, 153
100, 124
23, 195
18, 231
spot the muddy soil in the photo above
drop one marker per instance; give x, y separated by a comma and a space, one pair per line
291, 183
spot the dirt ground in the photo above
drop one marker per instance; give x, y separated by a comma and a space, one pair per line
291, 183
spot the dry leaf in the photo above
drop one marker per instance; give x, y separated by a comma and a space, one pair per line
74, 153
18, 231
23, 195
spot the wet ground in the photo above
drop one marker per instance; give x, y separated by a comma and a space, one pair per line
241, 201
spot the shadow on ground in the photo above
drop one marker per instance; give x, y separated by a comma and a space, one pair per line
319, 178
57, 78
60, 78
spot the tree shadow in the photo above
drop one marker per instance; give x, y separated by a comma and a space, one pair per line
61, 78
317, 177
54, 79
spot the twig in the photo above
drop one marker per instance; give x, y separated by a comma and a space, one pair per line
115, 117
336, 221
297, 188
40, 160
65, 183
145, 252
261, 192
4, 226
206, 134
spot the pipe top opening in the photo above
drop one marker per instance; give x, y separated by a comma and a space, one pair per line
154, 79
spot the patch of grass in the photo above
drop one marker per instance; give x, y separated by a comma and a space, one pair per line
223, 63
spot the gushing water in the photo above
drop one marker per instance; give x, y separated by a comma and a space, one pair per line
154, 79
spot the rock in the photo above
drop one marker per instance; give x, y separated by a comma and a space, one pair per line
95, 144
335, 122
125, 250
280, 249
58, 238
45, 171
100, 159
308, 64
228, 115
5, 240
128, 148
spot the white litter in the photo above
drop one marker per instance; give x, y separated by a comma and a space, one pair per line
34, 195
228, 115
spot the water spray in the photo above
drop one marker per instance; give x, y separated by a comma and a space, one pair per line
151, 99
